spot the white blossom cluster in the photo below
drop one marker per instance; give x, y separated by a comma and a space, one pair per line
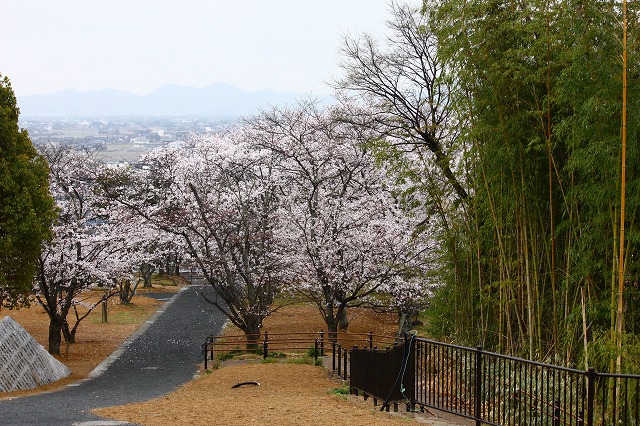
293, 200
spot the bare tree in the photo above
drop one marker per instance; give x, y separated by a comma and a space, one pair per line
407, 96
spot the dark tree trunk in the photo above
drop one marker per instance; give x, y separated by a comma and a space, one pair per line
332, 324
69, 335
343, 320
146, 270
127, 291
407, 321
252, 331
55, 336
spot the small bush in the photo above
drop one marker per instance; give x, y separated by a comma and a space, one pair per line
342, 390
313, 352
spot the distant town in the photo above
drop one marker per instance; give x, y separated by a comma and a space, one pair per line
119, 140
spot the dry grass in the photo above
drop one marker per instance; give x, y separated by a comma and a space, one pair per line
289, 394
305, 318
94, 340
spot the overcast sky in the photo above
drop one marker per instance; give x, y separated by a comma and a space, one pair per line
137, 46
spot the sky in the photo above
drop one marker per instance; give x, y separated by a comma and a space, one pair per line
134, 45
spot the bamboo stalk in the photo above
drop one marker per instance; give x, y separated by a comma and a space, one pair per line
623, 177
585, 338
551, 212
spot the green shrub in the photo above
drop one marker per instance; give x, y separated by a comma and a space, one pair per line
342, 390
312, 352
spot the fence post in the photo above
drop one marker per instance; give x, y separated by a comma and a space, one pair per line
556, 413
265, 346
591, 394
478, 387
333, 355
371, 340
206, 354
412, 401
321, 342
345, 363
315, 352
339, 360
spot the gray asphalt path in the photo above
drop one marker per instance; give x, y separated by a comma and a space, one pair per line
155, 362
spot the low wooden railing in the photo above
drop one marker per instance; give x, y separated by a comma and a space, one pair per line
269, 343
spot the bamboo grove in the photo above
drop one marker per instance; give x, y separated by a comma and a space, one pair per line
529, 258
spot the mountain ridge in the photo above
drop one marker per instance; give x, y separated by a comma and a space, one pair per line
215, 100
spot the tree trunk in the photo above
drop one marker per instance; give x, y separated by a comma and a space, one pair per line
252, 331
332, 326
146, 269
69, 335
343, 320
55, 336
407, 320
125, 292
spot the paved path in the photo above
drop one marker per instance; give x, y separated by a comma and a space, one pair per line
156, 361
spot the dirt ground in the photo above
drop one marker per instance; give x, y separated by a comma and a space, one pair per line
289, 393
94, 340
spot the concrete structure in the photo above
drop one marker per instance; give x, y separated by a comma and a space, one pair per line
24, 363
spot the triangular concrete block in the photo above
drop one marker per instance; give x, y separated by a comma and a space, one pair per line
24, 363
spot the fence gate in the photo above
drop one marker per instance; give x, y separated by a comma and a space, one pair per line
385, 374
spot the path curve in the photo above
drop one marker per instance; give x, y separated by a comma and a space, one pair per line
155, 361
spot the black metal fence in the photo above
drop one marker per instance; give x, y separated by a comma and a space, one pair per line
496, 389
485, 387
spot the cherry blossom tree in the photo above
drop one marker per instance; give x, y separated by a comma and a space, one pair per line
347, 235
88, 250
220, 197
154, 249
149, 249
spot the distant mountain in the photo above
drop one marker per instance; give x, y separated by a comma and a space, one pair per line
217, 100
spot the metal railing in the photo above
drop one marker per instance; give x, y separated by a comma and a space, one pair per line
486, 387
496, 389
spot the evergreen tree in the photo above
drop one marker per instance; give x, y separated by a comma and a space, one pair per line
26, 207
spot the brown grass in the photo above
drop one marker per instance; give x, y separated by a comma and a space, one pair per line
94, 340
289, 394
304, 318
